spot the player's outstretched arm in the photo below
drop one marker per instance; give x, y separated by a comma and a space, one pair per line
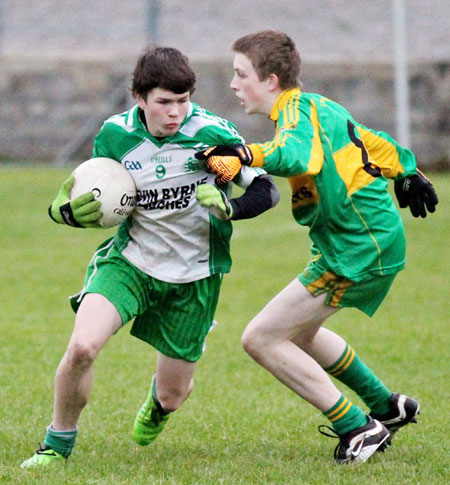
416, 192
225, 160
84, 211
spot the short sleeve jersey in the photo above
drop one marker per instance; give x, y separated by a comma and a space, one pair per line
169, 235
338, 171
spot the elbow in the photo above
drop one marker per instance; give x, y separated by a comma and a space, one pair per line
274, 193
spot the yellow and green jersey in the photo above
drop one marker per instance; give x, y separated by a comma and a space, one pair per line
338, 171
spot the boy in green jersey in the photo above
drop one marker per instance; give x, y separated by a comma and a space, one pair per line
338, 171
164, 266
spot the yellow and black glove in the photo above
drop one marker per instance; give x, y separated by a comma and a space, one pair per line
225, 160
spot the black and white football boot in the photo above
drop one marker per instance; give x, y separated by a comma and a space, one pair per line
403, 411
358, 445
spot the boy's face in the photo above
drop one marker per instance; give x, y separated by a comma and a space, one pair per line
164, 111
256, 96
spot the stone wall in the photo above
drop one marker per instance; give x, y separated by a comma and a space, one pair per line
322, 29
51, 108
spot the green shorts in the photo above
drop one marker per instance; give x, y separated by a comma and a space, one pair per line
366, 295
173, 318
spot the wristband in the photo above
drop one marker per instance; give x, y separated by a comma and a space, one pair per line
67, 215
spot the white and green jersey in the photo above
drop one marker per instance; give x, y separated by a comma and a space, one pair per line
169, 235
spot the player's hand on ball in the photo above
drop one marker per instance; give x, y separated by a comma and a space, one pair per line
225, 161
83, 211
215, 201
417, 193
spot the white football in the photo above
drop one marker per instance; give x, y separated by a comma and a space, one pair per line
111, 184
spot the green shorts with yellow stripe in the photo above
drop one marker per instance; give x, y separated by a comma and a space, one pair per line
173, 318
366, 295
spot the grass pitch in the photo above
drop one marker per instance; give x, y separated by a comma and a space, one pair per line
240, 425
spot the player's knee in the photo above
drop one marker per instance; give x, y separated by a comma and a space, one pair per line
81, 354
252, 342
306, 340
172, 398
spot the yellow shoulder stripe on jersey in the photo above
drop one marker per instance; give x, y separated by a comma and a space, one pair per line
291, 120
291, 113
288, 102
382, 152
351, 168
316, 157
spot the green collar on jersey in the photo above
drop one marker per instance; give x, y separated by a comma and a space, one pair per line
133, 119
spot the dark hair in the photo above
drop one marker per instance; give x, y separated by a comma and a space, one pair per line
162, 67
272, 52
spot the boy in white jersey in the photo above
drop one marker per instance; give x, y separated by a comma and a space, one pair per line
164, 266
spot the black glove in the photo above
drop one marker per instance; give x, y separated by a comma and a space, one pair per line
416, 192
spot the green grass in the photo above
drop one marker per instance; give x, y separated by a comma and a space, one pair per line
240, 426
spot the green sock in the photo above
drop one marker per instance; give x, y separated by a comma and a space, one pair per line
61, 441
352, 371
345, 416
